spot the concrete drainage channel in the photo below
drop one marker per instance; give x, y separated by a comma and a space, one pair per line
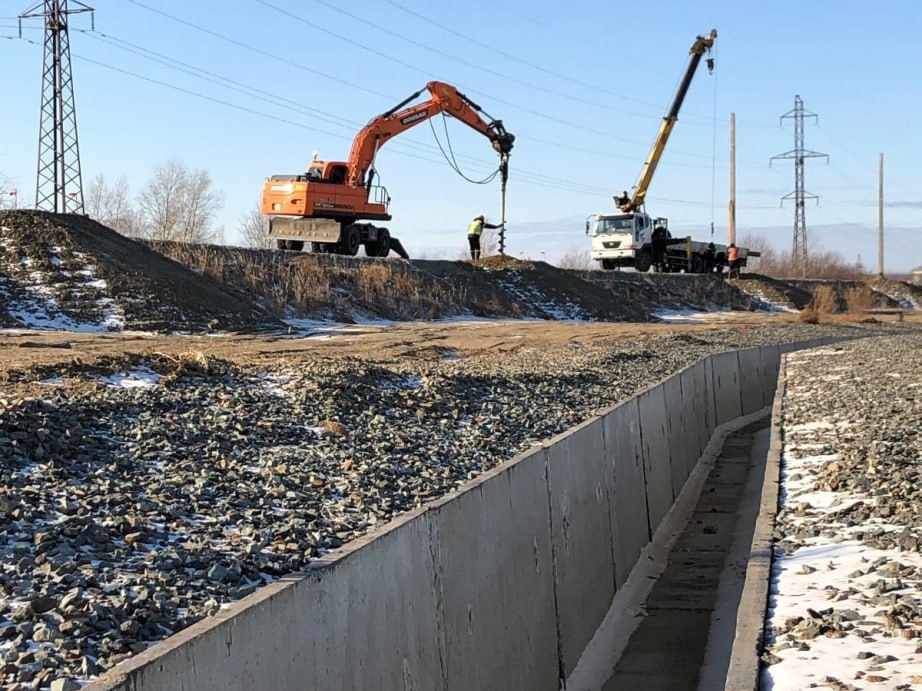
684, 640
529, 577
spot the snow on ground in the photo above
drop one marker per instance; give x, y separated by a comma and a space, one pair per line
32, 301
140, 378
694, 316
767, 301
837, 615
529, 294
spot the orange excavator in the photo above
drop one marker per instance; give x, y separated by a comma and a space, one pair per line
325, 205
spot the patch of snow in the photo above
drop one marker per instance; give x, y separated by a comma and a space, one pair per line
33, 303
693, 316
532, 296
817, 574
409, 383
272, 383
140, 378
794, 591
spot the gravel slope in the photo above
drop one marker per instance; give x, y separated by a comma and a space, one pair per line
846, 609
139, 496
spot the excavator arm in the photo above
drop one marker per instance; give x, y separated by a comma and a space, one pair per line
628, 203
445, 99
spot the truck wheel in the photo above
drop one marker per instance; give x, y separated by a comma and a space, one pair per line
643, 262
380, 247
351, 241
282, 244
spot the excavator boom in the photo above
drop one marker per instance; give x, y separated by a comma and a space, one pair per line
327, 205
445, 99
635, 202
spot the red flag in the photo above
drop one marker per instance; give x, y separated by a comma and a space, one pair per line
13, 193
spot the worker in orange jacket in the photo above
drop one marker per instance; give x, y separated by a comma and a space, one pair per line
733, 257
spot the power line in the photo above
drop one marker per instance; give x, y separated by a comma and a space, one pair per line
516, 58
416, 68
527, 177
569, 78
216, 79
300, 107
240, 44
288, 61
468, 63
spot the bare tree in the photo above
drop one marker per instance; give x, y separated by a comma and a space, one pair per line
8, 192
179, 204
254, 229
111, 205
200, 207
578, 259
821, 264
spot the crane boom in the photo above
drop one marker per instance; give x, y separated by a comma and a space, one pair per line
635, 202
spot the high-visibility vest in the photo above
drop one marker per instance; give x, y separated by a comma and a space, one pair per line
733, 253
475, 228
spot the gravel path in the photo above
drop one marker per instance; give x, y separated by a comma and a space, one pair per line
846, 607
140, 497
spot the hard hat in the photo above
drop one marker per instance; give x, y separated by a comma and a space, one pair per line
479, 218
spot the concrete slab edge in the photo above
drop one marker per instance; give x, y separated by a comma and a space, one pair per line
744, 668
600, 656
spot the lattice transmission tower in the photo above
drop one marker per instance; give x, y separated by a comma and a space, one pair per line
799, 195
59, 184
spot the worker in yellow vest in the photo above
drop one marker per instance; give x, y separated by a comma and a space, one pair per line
474, 231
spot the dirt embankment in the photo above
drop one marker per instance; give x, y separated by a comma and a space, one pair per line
67, 271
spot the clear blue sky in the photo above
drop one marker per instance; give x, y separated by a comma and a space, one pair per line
582, 85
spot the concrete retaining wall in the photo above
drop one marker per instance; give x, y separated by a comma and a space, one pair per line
499, 585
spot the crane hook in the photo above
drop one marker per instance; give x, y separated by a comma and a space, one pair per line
710, 64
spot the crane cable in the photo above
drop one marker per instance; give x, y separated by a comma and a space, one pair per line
450, 155
714, 149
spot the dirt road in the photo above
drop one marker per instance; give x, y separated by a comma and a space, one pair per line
378, 343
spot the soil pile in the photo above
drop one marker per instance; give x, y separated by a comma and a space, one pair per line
67, 271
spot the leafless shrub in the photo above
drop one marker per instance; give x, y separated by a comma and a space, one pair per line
825, 300
809, 315
576, 259
859, 300
820, 264
254, 229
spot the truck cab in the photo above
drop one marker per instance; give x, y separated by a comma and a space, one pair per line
623, 239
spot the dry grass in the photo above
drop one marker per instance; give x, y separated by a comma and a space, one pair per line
186, 363
809, 315
503, 261
334, 428
859, 300
311, 284
825, 300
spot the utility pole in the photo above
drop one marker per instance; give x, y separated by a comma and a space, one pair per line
880, 219
731, 225
799, 154
59, 184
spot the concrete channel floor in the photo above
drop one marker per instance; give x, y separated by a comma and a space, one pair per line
684, 642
